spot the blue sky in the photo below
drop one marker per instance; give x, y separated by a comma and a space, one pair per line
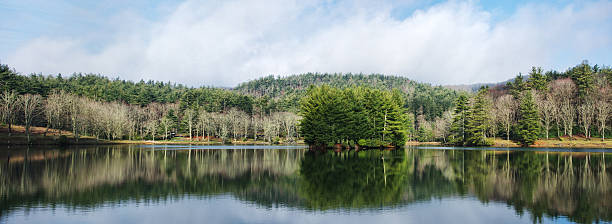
222, 43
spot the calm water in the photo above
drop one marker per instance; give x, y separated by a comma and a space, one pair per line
237, 184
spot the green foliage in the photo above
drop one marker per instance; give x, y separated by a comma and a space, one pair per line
425, 133
536, 80
332, 115
517, 86
460, 116
137, 93
285, 92
470, 123
409, 126
529, 123
478, 120
582, 75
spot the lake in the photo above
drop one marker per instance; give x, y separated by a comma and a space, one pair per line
281, 184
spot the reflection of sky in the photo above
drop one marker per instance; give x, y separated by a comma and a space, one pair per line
225, 209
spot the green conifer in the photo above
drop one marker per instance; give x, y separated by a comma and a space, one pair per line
529, 123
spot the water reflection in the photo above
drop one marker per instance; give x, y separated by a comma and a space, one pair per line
542, 184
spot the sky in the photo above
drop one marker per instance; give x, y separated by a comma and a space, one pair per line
224, 43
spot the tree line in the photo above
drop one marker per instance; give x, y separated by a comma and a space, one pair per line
353, 116
551, 104
546, 104
116, 120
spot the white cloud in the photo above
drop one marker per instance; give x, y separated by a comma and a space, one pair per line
222, 43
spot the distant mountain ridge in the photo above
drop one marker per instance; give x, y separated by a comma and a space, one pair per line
476, 86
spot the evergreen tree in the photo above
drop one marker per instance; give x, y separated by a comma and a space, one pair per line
529, 124
517, 86
583, 77
478, 120
537, 81
457, 130
409, 125
396, 122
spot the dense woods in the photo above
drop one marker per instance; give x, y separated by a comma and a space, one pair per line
115, 109
261, 109
552, 104
353, 116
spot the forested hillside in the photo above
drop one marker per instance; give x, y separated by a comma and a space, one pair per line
422, 98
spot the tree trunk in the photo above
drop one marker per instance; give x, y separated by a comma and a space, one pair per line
508, 131
27, 130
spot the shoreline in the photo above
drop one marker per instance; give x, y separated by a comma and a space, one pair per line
577, 143
18, 138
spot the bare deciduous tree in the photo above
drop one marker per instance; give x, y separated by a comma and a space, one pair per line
563, 92
586, 112
9, 105
165, 122
505, 106
189, 117
29, 105
204, 121
74, 106
55, 110
548, 111
442, 125
603, 110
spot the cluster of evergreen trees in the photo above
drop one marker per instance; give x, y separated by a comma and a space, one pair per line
356, 115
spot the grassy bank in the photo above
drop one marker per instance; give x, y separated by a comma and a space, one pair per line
563, 142
39, 137
42, 136
52, 136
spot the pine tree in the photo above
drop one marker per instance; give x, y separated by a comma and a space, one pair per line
478, 120
396, 119
529, 125
517, 87
457, 130
537, 81
583, 76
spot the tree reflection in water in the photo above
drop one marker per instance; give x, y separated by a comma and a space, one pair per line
544, 184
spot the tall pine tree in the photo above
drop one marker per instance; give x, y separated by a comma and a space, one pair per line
537, 81
478, 120
457, 130
529, 123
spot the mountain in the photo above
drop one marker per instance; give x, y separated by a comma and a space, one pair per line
476, 86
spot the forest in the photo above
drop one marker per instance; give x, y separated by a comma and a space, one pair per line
545, 105
262, 109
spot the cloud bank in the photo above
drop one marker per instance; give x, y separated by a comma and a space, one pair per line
223, 43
